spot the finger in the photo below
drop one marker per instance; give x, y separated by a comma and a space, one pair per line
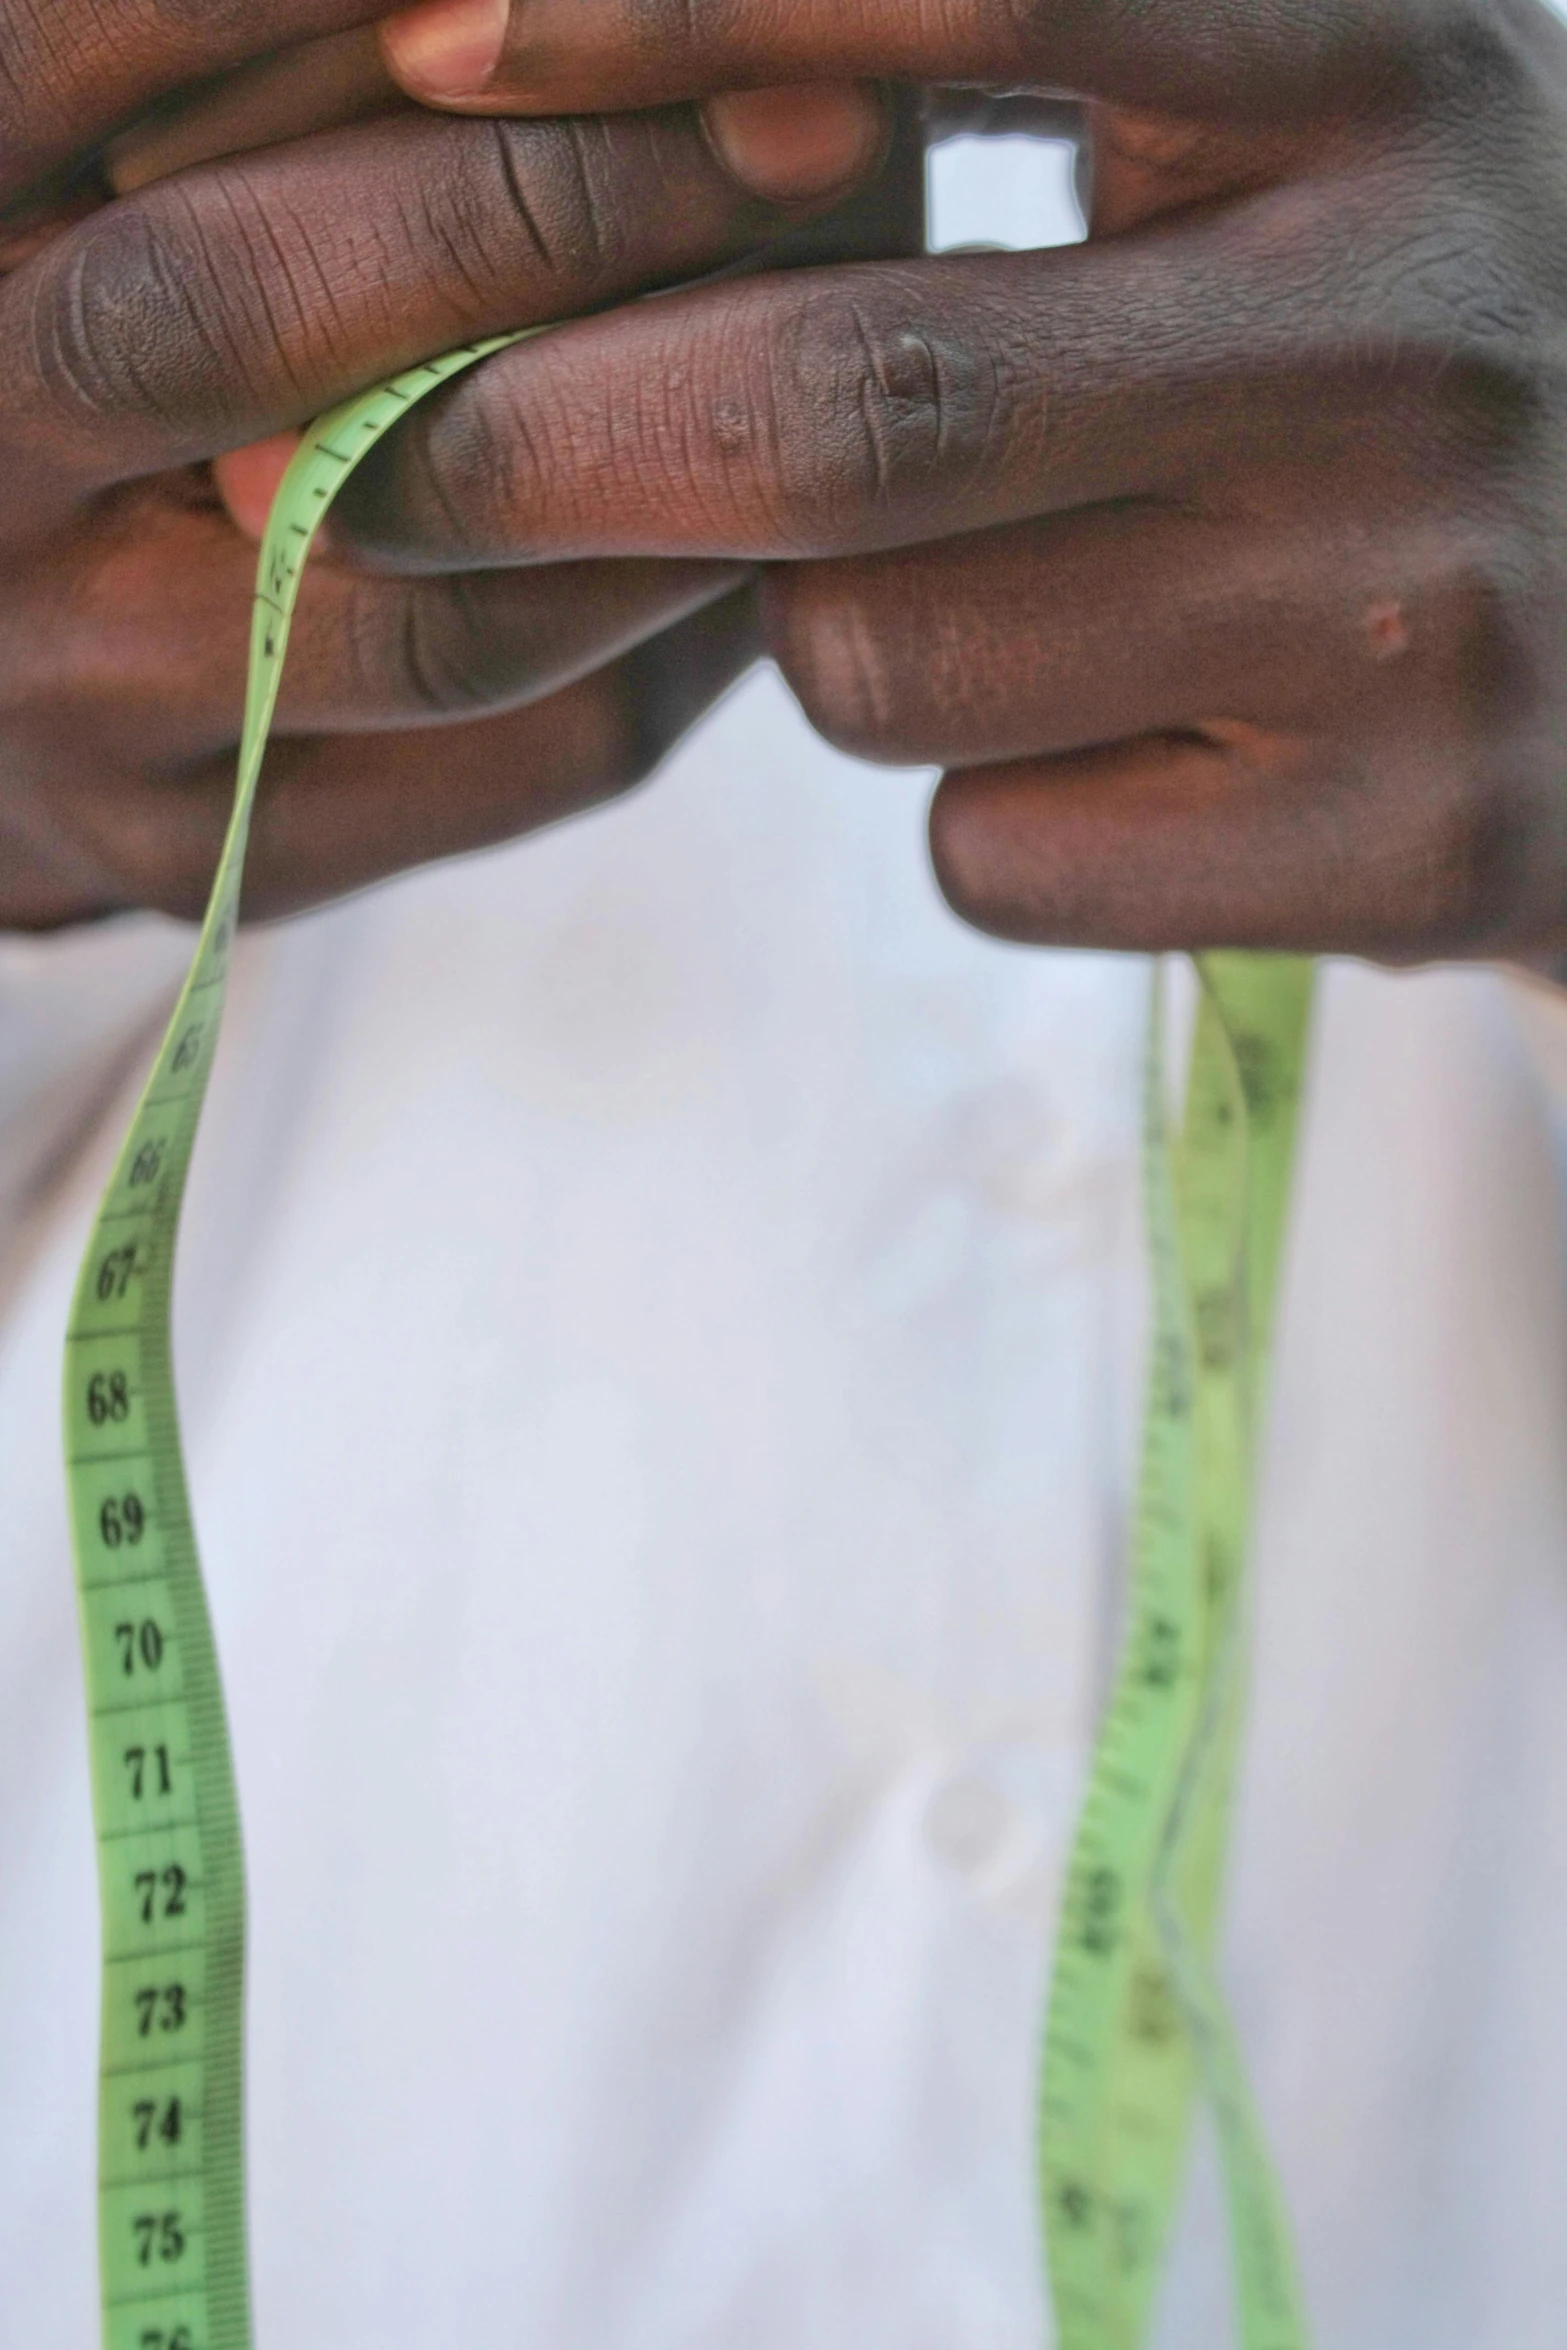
369, 653
222, 306
338, 813
72, 71
317, 86
566, 55
886, 216
1269, 843
248, 479
1101, 626
773, 140
828, 413
143, 638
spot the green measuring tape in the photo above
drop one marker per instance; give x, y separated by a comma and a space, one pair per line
171, 2188
1135, 2021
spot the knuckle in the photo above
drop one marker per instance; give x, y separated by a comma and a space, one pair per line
447, 664
1445, 851
837, 661
1467, 879
1450, 266
1485, 795
447, 488
1458, 293
561, 187
480, 467
1488, 425
871, 408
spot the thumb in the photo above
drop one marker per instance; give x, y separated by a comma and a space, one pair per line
1282, 61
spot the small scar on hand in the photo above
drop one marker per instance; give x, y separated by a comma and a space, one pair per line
1386, 627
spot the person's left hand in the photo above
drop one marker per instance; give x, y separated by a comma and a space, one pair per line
1221, 562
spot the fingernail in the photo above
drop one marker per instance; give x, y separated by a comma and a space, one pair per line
247, 480
792, 144
445, 49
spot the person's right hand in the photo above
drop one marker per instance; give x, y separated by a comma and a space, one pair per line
234, 301
1220, 562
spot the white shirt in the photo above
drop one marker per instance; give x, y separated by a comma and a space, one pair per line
659, 1335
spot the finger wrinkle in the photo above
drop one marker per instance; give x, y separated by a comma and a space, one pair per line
300, 277
598, 228
428, 220
474, 473
860, 413
282, 304
521, 196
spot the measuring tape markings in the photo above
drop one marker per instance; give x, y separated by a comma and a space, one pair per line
1134, 2021
171, 2193
1118, 2067
1237, 1154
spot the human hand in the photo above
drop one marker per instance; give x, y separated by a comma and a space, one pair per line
1221, 562
219, 308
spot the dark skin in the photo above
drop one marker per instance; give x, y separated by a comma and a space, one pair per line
1222, 564
146, 333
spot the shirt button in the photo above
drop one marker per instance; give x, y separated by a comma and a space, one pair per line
967, 1823
993, 1820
